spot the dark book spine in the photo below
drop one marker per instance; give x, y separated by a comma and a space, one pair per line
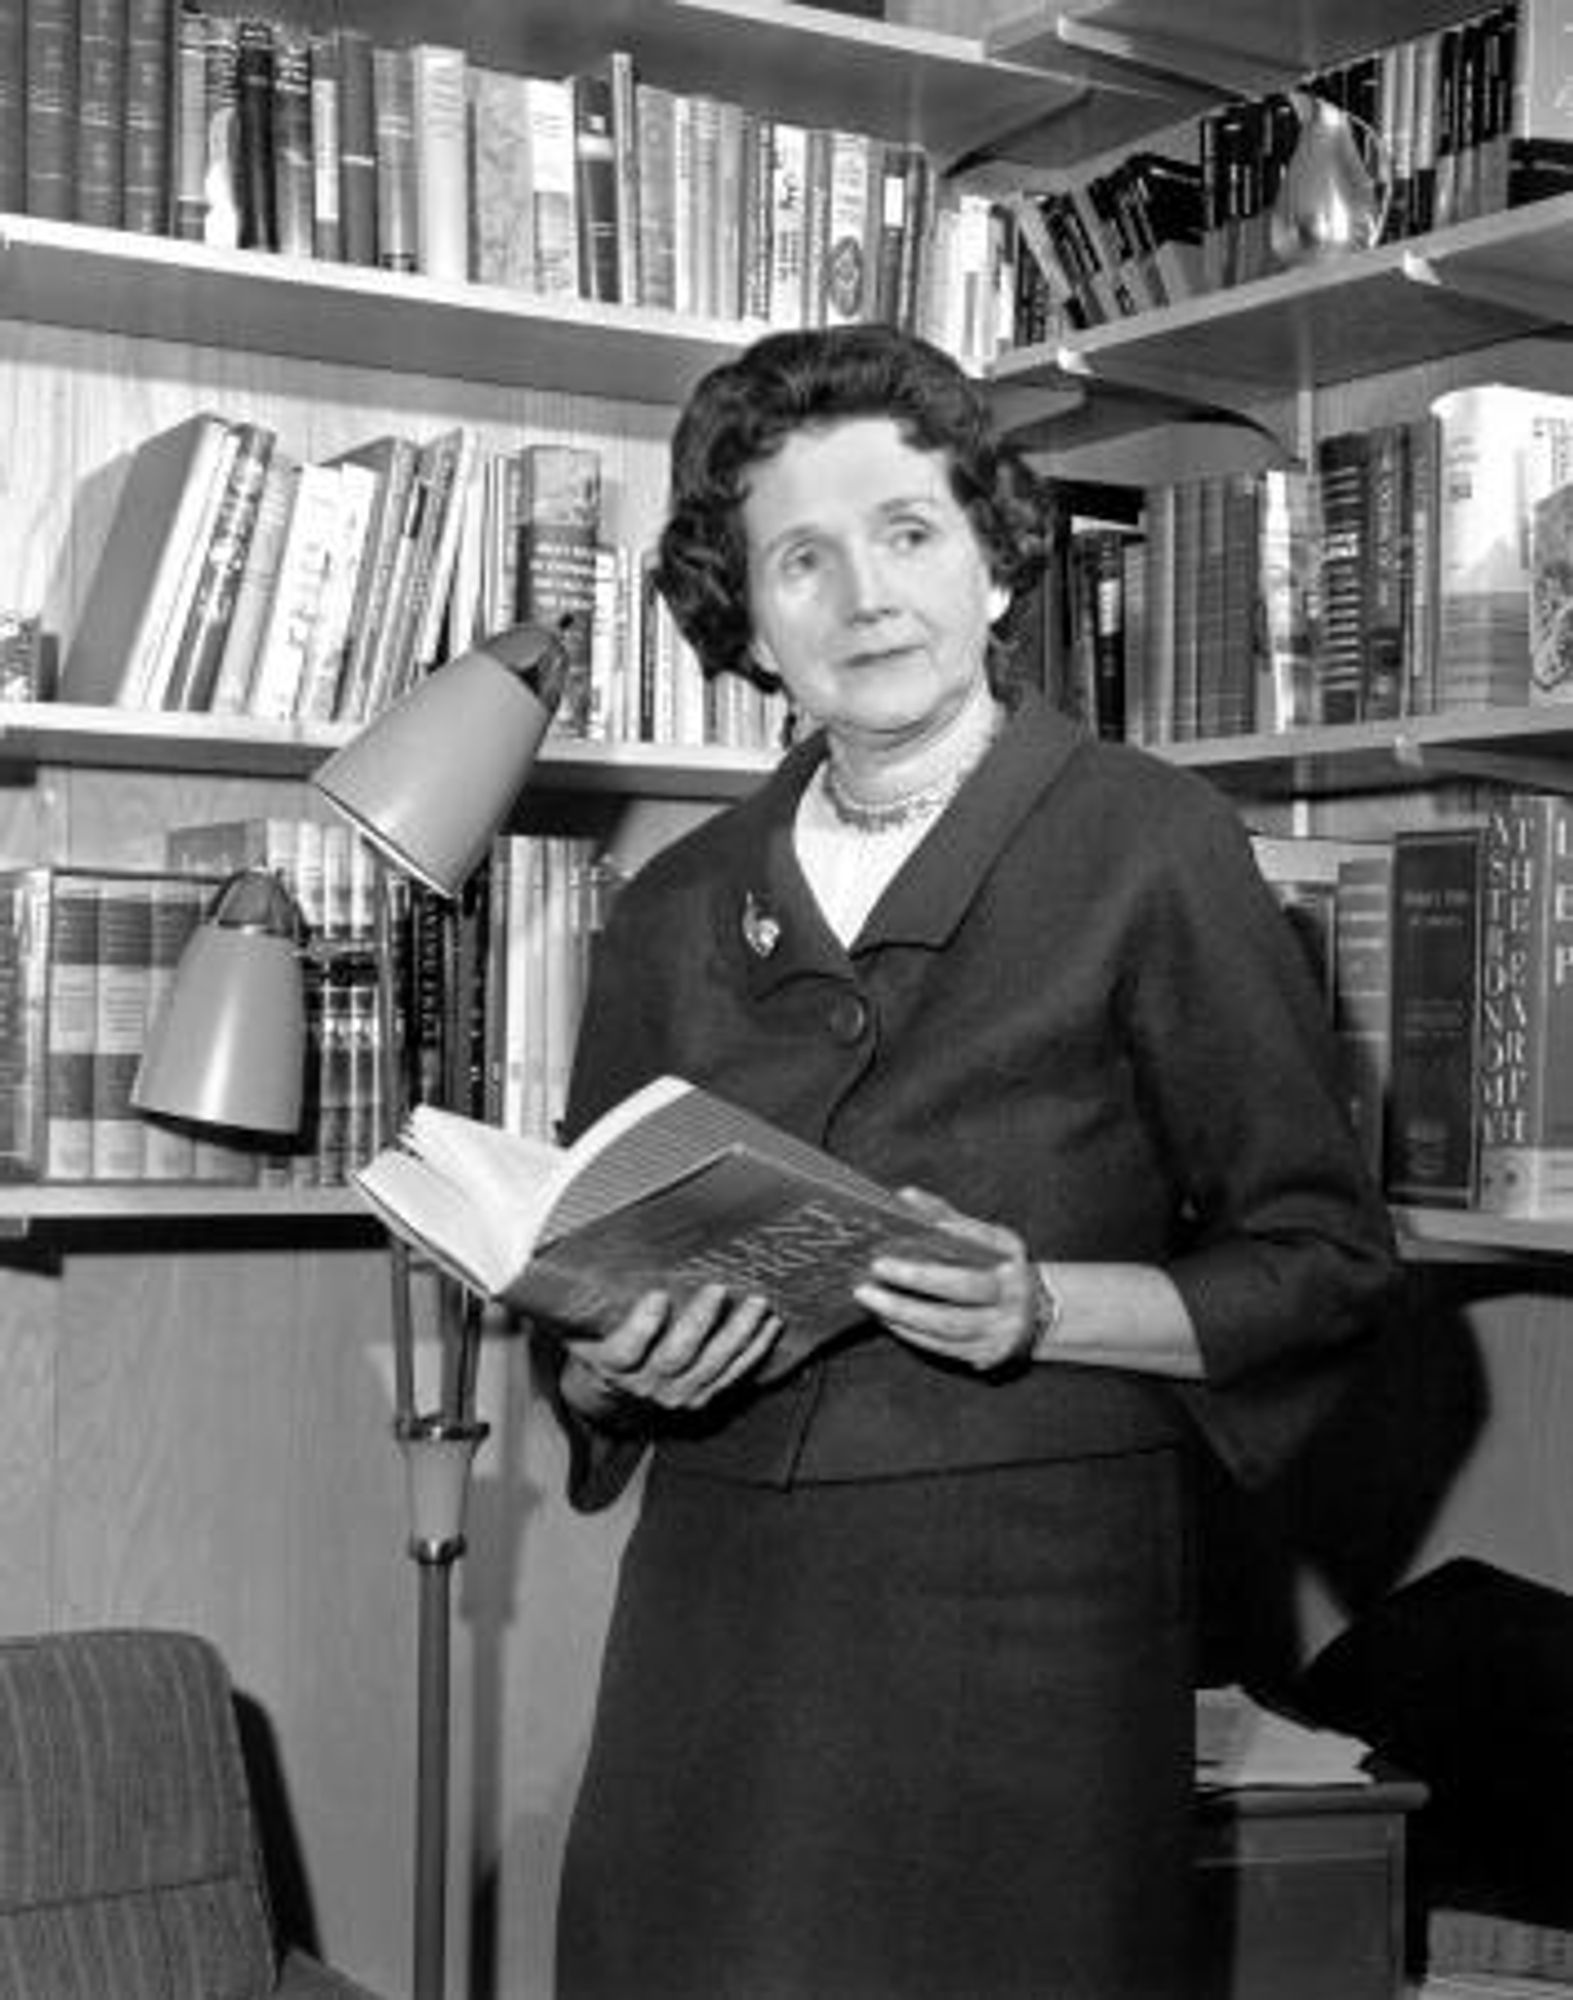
595, 187
13, 113
1343, 486
1384, 677
357, 147
393, 101
254, 67
293, 170
1433, 1116
202, 643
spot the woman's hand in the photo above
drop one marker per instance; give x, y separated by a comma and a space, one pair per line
984, 1317
675, 1359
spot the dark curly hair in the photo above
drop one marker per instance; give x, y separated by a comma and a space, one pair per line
744, 411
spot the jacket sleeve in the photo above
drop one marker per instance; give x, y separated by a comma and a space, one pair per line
1287, 1263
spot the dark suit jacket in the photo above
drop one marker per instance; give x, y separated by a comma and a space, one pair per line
1077, 1011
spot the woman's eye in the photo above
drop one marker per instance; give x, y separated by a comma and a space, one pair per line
800, 562
907, 535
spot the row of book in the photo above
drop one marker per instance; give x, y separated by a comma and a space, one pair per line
484, 1006
1417, 567
235, 578
1446, 958
1460, 121
255, 131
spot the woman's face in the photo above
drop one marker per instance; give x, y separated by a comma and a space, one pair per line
869, 590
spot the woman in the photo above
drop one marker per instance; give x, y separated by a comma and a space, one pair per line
897, 1698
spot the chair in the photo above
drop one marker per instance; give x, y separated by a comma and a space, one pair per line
129, 1859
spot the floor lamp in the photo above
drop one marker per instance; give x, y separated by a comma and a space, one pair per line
428, 782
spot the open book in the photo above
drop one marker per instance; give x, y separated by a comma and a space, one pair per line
670, 1189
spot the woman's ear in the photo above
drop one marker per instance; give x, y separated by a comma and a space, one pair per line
999, 602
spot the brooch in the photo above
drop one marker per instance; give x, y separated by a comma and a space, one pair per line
761, 930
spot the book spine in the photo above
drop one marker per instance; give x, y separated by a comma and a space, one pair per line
1343, 488
504, 219
1362, 994
559, 531
442, 161
100, 112
623, 75
121, 994
1433, 1116
788, 223
72, 948
1383, 676
255, 56
285, 643
1526, 1007
23, 1039
13, 109
201, 648
317, 700
189, 145
357, 145
294, 172
393, 119
50, 108
147, 159
327, 216
657, 197
599, 247
553, 196
223, 196
176, 907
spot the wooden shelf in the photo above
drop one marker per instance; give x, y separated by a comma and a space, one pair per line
34, 733
1461, 1236
1232, 45
1496, 277
98, 1202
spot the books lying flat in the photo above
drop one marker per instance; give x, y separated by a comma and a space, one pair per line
671, 1189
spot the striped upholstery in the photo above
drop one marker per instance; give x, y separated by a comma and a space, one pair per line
128, 1866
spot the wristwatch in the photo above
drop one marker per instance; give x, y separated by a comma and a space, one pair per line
1048, 1309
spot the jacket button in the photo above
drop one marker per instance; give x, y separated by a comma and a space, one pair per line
848, 1018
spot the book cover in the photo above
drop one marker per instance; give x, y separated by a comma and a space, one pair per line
1500, 449
1526, 1006
1343, 490
390, 459
147, 149
847, 293
254, 586
317, 698
1433, 1105
284, 644
560, 514
788, 223
673, 1189
442, 161
176, 907
165, 490
1551, 597
100, 112
200, 648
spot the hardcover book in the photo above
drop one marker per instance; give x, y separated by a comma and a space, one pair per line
560, 511
673, 1189
1434, 1097
1526, 1008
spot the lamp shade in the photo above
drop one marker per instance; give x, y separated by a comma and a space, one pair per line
229, 1047
430, 780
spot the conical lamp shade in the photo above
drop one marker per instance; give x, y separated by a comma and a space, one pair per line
229, 1047
431, 779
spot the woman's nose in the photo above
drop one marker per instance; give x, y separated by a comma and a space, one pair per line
866, 585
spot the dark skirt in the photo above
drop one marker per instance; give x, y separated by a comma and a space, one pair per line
919, 1739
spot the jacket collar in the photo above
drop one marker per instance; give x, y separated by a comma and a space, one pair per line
775, 920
